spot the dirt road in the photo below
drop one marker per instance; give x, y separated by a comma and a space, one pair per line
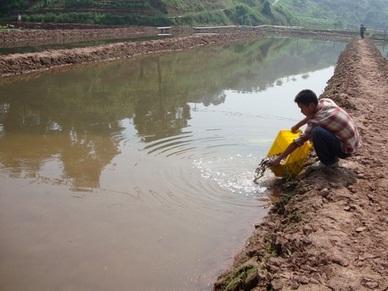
328, 230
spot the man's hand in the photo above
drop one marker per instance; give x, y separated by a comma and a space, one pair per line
295, 129
275, 162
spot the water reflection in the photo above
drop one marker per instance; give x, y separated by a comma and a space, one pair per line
75, 117
382, 45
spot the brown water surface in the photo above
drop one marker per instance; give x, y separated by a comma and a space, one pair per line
137, 174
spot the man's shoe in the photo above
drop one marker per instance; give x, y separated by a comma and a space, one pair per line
334, 165
321, 166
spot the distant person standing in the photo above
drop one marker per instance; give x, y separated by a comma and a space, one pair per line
362, 30
19, 19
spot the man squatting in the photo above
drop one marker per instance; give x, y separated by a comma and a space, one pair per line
330, 128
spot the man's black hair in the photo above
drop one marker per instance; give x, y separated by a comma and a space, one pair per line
306, 97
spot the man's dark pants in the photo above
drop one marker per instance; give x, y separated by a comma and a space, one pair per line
327, 146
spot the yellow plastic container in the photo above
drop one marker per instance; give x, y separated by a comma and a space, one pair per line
293, 164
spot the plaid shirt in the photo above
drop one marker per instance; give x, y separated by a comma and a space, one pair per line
336, 120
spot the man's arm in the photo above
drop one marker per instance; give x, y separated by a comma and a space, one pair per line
294, 145
300, 124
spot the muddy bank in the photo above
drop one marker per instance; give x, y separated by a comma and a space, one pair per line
303, 31
34, 37
185, 38
53, 25
24, 63
328, 230
54, 34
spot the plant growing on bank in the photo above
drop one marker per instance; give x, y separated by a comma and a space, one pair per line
11, 5
78, 3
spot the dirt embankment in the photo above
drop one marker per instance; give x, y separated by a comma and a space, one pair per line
184, 38
57, 34
330, 34
36, 37
329, 229
29, 62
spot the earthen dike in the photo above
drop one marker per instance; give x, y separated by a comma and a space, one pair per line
328, 229
183, 38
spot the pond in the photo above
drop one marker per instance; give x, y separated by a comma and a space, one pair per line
383, 47
137, 174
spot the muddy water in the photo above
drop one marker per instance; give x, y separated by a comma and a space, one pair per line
383, 47
137, 175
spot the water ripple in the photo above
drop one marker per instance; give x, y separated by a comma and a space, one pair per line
216, 178
185, 144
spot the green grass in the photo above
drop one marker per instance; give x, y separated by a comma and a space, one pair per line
311, 13
336, 14
98, 18
156, 12
236, 280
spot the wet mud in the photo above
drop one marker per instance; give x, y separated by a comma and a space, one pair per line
328, 229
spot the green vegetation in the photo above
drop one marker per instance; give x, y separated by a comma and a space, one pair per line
7, 6
240, 279
243, 12
336, 14
98, 18
148, 12
317, 13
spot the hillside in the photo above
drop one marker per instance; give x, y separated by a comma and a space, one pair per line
322, 13
107, 12
337, 13
148, 12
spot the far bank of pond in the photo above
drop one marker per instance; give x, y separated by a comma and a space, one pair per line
182, 39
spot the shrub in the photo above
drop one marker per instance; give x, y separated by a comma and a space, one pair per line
78, 3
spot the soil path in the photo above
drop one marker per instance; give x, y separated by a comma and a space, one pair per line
329, 229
